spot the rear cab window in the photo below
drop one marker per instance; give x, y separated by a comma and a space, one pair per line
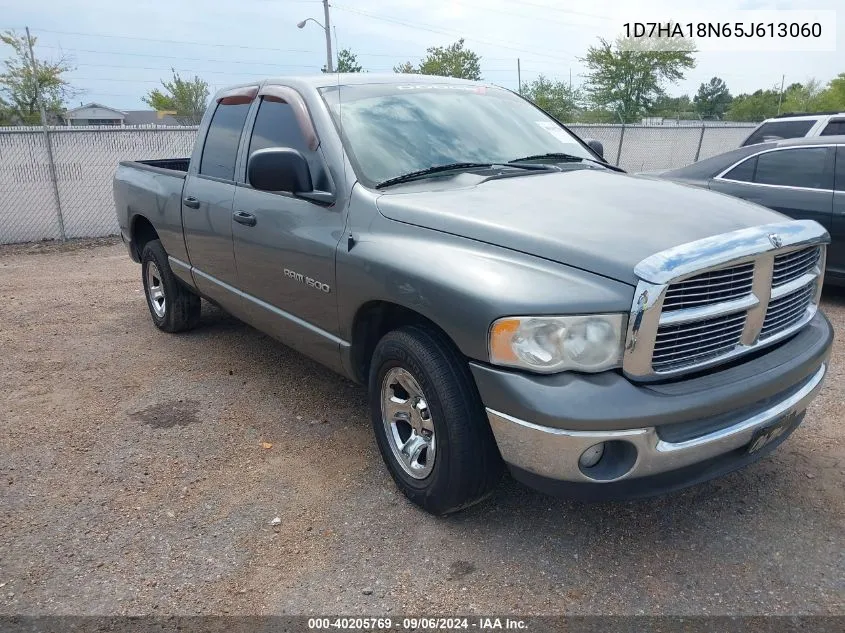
220, 151
777, 130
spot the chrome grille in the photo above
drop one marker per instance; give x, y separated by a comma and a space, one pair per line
790, 266
704, 303
711, 287
695, 342
787, 310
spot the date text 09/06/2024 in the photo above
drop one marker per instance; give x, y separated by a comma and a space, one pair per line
417, 623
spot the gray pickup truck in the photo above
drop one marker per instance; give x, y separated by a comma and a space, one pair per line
507, 297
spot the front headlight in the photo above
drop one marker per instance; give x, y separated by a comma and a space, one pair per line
547, 345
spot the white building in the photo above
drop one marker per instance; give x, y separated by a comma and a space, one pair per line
98, 114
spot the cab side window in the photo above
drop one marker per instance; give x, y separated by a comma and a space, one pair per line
839, 185
276, 126
744, 172
221, 142
834, 128
805, 167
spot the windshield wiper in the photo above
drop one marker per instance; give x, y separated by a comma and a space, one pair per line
436, 169
560, 156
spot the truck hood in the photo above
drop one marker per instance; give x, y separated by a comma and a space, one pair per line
600, 221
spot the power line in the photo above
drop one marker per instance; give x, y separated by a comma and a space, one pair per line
180, 57
190, 43
434, 29
235, 73
236, 61
163, 41
196, 72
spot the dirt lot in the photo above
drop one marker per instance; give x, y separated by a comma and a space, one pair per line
135, 481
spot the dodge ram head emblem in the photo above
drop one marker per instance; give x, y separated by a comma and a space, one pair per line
774, 238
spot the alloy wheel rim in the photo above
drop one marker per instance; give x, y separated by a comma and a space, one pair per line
408, 423
155, 290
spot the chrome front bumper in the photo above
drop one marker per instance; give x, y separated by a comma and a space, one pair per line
554, 453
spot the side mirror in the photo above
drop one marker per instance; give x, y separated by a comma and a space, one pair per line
279, 169
596, 146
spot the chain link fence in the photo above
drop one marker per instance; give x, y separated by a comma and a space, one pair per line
651, 147
71, 196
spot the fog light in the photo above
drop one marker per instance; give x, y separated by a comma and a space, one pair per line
591, 456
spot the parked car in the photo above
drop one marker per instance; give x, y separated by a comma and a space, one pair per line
505, 295
786, 126
801, 178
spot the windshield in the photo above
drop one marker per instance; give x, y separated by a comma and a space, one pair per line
394, 129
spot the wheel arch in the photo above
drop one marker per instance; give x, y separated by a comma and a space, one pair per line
141, 232
372, 321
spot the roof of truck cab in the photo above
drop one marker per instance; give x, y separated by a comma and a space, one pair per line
345, 79
333, 79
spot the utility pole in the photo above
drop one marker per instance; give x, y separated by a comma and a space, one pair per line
780, 98
329, 63
519, 74
52, 165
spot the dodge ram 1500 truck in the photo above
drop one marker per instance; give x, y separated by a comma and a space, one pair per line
507, 297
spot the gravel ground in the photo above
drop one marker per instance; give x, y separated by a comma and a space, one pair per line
141, 472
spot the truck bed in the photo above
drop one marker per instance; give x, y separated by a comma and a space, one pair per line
153, 189
168, 164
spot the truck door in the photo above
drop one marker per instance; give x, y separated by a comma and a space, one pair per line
208, 193
284, 245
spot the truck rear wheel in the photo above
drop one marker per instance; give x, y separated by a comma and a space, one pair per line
174, 307
429, 421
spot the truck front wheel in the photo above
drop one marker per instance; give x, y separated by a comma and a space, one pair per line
429, 421
173, 307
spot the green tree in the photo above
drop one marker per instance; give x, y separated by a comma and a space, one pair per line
555, 97
6, 117
23, 79
347, 62
627, 76
672, 107
754, 107
407, 68
597, 115
185, 98
833, 96
804, 97
446, 61
712, 99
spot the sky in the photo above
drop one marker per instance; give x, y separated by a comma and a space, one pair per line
121, 50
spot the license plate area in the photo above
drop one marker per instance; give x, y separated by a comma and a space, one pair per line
770, 433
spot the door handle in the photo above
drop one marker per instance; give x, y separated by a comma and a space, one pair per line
247, 219
191, 202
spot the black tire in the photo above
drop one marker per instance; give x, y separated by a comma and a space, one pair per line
180, 308
467, 465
